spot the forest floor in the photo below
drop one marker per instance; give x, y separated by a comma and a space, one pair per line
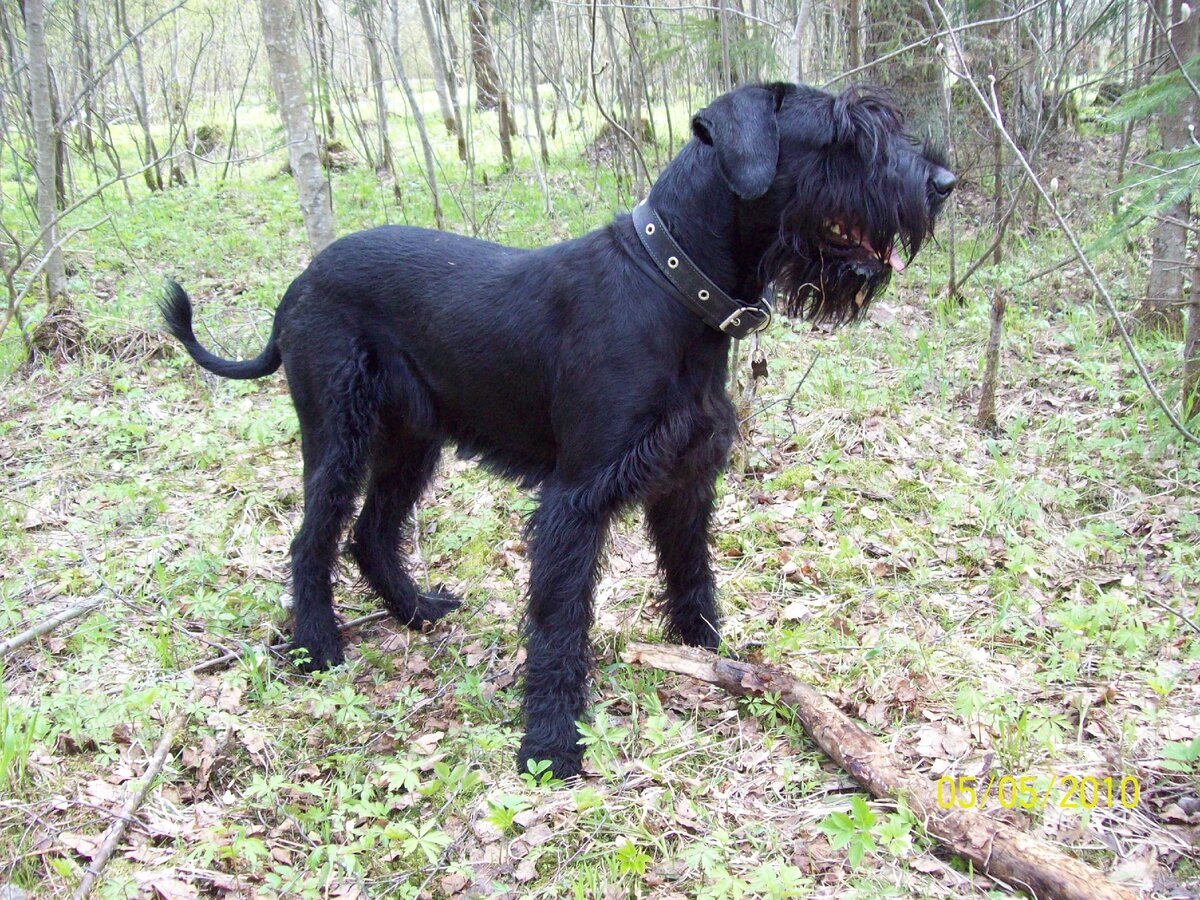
988, 604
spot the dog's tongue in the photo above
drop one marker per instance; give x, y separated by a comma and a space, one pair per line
893, 259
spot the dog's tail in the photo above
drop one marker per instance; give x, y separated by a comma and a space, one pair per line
176, 308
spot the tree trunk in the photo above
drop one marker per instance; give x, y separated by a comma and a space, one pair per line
141, 102
324, 67
531, 68
371, 29
438, 60
506, 130
998, 217
452, 61
279, 28
83, 60
854, 34
1163, 304
46, 156
487, 78
799, 42
442, 26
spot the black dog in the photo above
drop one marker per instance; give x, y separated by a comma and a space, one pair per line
594, 369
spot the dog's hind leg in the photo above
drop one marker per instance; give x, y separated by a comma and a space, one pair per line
678, 520
336, 435
400, 469
566, 538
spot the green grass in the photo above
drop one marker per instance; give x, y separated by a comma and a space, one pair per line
985, 603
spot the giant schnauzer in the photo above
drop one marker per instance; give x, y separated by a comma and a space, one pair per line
594, 370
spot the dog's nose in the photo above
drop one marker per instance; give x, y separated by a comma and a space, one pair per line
943, 181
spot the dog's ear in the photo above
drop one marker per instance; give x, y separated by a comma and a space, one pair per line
741, 127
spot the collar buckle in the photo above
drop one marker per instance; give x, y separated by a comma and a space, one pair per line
747, 320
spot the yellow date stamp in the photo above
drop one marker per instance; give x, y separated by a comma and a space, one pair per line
1030, 792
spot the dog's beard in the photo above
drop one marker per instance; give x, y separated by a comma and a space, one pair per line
817, 282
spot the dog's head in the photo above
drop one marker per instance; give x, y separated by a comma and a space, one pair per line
834, 194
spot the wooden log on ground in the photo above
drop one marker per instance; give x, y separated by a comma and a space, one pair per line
47, 625
1002, 851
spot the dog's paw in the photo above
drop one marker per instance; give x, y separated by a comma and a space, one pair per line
316, 655
703, 636
542, 766
431, 606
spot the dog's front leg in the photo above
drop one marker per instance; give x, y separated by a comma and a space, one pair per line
566, 538
678, 520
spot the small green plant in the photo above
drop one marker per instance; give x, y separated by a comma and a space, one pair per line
18, 728
403, 774
425, 839
539, 774
586, 799
630, 859
449, 779
503, 809
768, 707
779, 882
852, 830
895, 831
1181, 756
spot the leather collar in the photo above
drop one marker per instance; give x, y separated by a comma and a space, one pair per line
691, 287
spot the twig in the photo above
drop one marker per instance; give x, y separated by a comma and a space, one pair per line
1173, 611
222, 661
1004, 852
1065, 261
117, 830
48, 625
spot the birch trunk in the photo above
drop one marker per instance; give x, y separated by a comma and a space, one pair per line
46, 154
279, 26
438, 59
799, 42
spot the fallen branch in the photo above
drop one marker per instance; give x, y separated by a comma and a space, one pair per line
1000, 850
117, 830
46, 626
229, 658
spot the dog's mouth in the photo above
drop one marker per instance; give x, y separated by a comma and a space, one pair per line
851, 238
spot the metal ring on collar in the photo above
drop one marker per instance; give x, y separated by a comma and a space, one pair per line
734, 319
